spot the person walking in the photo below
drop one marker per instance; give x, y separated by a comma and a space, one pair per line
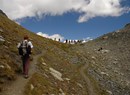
25, 50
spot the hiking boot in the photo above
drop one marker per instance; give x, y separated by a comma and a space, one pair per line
26, 76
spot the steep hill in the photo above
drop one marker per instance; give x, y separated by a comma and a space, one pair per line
59, 75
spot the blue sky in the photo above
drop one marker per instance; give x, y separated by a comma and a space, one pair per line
74, 19
67, 26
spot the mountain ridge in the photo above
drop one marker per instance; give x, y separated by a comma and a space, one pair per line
1, 12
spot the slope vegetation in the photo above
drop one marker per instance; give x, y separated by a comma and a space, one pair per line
60, 75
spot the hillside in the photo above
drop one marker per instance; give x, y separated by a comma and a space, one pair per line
109, 64
56, 55
98, 67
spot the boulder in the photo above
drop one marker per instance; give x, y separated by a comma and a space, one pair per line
56, 74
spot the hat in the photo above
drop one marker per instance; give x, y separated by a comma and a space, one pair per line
26, 37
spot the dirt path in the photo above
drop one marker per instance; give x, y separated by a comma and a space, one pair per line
17, 87
91, 90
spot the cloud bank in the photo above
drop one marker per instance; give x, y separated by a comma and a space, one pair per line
88, 9
54, 36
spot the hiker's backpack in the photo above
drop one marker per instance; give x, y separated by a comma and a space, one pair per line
24, 48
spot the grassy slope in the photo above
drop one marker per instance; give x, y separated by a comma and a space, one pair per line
57, 56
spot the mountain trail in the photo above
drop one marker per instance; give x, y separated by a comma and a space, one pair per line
17, 87
90, 87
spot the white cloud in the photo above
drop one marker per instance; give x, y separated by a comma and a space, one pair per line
18, 9
54, 36
101, 8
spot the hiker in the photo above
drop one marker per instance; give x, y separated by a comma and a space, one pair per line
59, 39
66, 41
25, 50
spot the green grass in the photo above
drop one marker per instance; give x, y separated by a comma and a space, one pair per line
41, 86
13, 34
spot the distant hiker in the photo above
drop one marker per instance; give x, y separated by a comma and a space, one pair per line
66, 41
74, 41
25, 50
69, 41
59, 39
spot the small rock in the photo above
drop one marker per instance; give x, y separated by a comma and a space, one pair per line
32, 87
44, 63
105, 51
9, 42
6, 47
1, 30
93, 57
2, 39
8, 66
45, 75
109, 92
79, 85
116, 71
67, 79
103, 73
62, 93
2, 66
115, 62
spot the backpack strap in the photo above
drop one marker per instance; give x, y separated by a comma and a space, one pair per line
21, 44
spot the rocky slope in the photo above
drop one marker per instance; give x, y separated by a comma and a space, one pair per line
109, 63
